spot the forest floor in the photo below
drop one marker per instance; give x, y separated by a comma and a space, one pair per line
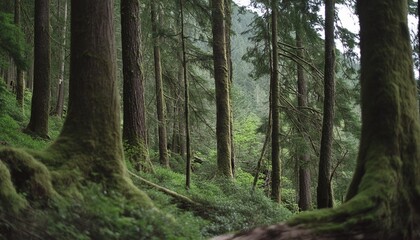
216, 206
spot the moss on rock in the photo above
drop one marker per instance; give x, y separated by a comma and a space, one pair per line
10, 200
29, 176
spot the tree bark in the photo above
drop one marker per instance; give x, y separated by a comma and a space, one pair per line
324, 191
275, 133
134, 128
160, 101
38, 123
90, 140
305, 198
224, 166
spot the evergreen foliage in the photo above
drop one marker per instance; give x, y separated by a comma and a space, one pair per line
84, 210
12, 42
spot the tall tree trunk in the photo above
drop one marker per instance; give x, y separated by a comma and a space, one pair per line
59, 107
418, 51
224, 166
20, 87
178, 134
90, 140
38, 123
134, 128
324, 191
160, 101
275, 133
305, 198
228, 19
186, 102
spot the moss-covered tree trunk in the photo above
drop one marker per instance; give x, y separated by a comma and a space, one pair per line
324, 191
134, 126
224, 166
160, 101
383, 199
275, 114
90, 140
305, 198
38, 123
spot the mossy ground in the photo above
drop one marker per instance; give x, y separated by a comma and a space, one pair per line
57, 202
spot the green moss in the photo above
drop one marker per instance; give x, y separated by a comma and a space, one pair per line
10, 200
29, 176
138, 156
124, 185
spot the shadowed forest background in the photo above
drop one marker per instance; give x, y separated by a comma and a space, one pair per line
190, 119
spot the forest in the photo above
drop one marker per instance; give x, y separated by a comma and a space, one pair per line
209, 119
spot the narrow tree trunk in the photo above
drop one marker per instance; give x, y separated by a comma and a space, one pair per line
160, 101
178, 134
30, 78
304, 174
38, 123
59, 107
228, 19
224, 166
418, 51
324, 191
275, 134
20, 87
187, 101
263, 150
134, 128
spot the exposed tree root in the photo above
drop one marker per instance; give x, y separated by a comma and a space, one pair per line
25, 181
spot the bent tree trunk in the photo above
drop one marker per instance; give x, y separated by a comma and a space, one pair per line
383, 199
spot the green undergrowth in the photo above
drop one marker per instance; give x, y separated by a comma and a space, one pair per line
95, 213
226, 205
99, 215
13, 120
